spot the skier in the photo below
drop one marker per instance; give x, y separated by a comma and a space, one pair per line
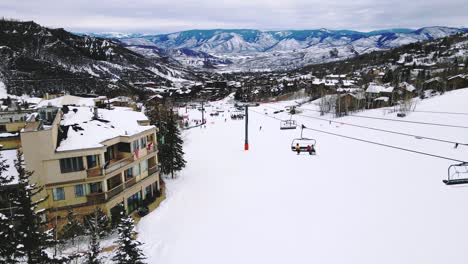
260, 128
309, 149
298, 149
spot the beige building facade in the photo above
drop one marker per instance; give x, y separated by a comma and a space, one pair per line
121, 169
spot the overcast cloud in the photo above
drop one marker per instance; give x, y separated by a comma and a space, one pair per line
163, 16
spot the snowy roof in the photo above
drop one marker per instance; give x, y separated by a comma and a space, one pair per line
336, 76
408, 87
67, 100
458, 76
124, 99
90, 133
10, 157
435, 79
358, 96
349, 90
383, 98
374, 88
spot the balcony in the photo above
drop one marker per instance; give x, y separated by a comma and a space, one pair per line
130, 183
96, 198
94, 172
115, 191
153, 170
118, 163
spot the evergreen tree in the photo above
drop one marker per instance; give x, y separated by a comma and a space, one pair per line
128, 250
98, 219
171, 154
7, 232
72, 229
32, 240
95, 231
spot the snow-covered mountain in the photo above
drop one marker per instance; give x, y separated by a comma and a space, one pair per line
36, 59
263, 50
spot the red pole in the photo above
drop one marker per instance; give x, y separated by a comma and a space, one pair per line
246, 145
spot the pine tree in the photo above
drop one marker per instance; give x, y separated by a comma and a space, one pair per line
7, 232
128, 250
171, 154
32, 240
95, 231
72, 229
99, 218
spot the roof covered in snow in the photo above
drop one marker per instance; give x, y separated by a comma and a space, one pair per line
67, 100
408, 87
86, 132
383, 98
375, 88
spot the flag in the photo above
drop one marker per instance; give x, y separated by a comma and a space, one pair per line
136, 152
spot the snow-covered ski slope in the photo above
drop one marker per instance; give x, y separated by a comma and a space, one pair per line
352, 203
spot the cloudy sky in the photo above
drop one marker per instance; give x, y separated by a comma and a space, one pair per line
163, 16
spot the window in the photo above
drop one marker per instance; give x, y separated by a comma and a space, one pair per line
128, 173
79, 190
110, 153
143, 142
3, 128
136, 145
136, 170
144, 165
148, 193
71, 164
92, 161
58, 194
133, 202
95, 187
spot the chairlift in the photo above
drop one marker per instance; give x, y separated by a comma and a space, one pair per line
457, 174
301, 144
288, 124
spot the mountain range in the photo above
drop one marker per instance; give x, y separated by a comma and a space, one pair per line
256, 50
36, 59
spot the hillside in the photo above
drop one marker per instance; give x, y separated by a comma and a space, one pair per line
351, 203
36, 60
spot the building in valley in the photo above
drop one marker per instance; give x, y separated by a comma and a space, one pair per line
87, 157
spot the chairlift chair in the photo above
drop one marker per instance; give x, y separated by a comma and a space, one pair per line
303, 142
288, 124
457, 174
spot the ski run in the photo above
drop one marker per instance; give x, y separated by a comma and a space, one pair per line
353, 202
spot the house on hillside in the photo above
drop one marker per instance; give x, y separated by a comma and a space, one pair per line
435, 84
457, 82
124, 101
378, 95
89, 157
403, 91
349, 102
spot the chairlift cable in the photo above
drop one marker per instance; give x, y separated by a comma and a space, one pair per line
384, 130
395, 120
375, 143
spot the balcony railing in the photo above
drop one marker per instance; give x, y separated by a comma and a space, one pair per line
115, 165
130, 182
96, 198
94, 172
153, 170
115, 191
